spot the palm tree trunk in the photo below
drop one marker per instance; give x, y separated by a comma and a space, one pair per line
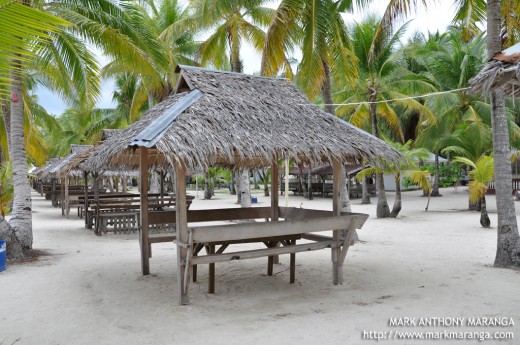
14, 248
397, 202
6, 112
266, 181
508, 242
484, 218
436, 180
365, 198
382, 210
21, 220
326, 90
207, 190
245, 200
233, 184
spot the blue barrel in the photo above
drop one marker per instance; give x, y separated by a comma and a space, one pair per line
254, 200
2, 256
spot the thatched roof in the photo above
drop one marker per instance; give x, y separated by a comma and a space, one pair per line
502, 72
45, 172
237, 120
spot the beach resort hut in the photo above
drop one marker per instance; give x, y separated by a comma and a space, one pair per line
217, 118
501, 72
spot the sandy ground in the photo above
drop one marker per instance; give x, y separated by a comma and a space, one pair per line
89, 290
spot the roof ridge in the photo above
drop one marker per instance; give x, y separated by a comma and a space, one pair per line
203, 69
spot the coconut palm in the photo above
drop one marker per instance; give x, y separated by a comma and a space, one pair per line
481, 174
382, 78
470, 13
230, 22
449, 62
171, 45
407, 167
65, 64
508, 244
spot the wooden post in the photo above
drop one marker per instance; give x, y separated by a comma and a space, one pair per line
85, 203
66, 198
124, 183
143, 233
53, 191
211, 271
337, 269
181, 213
161, 173
275, 177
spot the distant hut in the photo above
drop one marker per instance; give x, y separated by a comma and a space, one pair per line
502, 72
218, 118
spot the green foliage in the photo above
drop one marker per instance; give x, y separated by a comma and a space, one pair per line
483, 172
449, 174
6, 187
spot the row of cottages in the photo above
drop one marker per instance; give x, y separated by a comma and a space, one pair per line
217, 118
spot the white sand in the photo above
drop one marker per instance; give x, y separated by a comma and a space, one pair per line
89, 290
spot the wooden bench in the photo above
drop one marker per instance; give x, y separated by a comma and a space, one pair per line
123, 213
278, 240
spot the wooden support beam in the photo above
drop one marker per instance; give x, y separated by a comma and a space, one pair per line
66, 197
222, 233
211, 270
274, 191
275, 177
85, 205
337, 266
182, 231
251, 254
144, 230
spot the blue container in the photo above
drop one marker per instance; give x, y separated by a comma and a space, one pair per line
2, 256
254, 200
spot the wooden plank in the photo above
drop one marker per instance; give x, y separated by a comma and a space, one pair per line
288, 227
316, 237
337, 272
302, 213
143, 234
164, 237
274, 191
258, 253
182, 231
212, 215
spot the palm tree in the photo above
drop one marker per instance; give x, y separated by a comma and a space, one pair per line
382, 78
480, 176
472, 12
508, 244
66, 64
231, 22
170, 46
449, 62
408, 167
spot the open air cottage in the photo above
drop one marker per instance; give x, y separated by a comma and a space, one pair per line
217, 118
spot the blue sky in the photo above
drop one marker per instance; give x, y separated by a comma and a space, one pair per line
437, 17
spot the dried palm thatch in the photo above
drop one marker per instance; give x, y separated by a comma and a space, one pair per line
501, 73
237, 120
73, 164
44, 172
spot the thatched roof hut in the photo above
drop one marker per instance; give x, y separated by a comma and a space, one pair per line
237, 120
502, 72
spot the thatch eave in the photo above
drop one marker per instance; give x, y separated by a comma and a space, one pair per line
239, 121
